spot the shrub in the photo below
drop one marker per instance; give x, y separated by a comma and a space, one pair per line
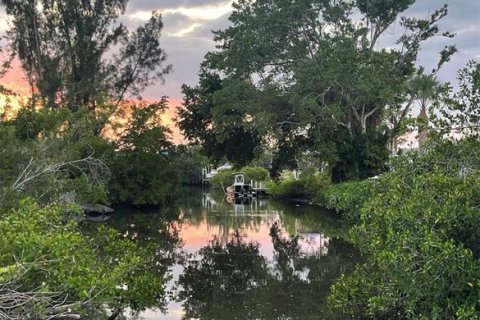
225, 177
52, 255
143, 179
346, 198
418, 228
142, 171
289, 188
255, 174
187, 163
307, 186
47, 153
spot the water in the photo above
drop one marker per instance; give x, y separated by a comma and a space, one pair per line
258, 260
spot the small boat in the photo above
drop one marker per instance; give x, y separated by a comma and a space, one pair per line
240, 189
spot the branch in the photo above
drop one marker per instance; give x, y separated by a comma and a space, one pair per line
403, 115
28, 175
372, 112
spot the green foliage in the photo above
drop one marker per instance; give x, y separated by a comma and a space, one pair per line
143, 179
225, 177
255, 174
50, 153
187, 163
85, 192
143, 170
307, 186
359, 157
213, 119
288, 189
308, 78
346, 198
54, 256
418, 227
31, 123
459, 112
56, 155
145, 132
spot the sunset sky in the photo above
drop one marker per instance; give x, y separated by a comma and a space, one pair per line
187, 37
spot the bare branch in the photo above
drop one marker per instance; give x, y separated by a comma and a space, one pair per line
92, 167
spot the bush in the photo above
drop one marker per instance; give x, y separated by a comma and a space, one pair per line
143, 179
289, 189
346, 198
255, 174
418, 228
225, 177
187, 163
143, 172
45, 251
49, 153
310, 183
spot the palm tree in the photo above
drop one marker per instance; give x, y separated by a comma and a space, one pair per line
425, 88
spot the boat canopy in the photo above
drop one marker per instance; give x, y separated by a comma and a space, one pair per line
239, 178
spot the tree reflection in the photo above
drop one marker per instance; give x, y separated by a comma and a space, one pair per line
155, 232
234, 281
158, 238
223, 281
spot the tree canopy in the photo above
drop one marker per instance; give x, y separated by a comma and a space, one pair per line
65, 48
309, 76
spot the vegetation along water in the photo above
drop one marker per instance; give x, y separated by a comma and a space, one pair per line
355, 152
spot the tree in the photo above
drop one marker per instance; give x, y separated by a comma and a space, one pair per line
315, 75
459, 111
143, 167
45, 158
424, 89
63, 48
210, 120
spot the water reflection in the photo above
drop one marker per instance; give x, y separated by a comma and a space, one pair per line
255, 260
234, 281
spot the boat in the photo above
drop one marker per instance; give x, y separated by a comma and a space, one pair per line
239, 188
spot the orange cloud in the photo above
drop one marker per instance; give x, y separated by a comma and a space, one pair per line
15, 82
123, 116
16, 91
169, 119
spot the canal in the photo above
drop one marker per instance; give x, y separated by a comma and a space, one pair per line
257, 260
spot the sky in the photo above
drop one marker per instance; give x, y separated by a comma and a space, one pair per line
188, 23
187, 37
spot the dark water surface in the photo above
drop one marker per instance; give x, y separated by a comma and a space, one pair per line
259, 260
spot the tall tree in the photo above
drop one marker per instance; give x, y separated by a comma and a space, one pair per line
63, 48
323, 60
220, 131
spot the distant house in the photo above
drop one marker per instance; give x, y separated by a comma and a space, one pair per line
209, 172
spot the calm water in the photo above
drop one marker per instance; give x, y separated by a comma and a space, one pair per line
259, 260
